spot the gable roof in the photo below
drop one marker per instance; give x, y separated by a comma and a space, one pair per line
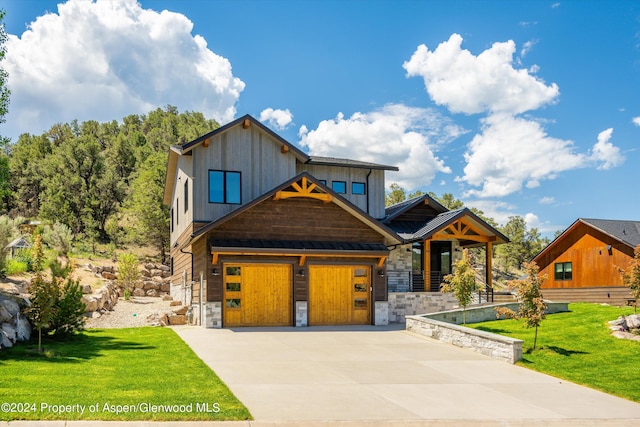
373, 223
443, 220
393, 211
185, 149
626, 232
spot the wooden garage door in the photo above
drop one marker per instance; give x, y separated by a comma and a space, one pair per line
339, 295
257, 295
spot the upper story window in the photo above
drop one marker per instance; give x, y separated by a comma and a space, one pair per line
224, 187
358, 188
186, 195
562, 271
172, 220
323, 181
339, 187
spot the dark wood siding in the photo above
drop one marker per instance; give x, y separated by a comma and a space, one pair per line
418, 213
593, 264
297, 219
181, 260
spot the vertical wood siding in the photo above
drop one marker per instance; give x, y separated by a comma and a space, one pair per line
375, 190
249, 151
592, 265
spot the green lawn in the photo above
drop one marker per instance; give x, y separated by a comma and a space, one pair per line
113, 374
577, 346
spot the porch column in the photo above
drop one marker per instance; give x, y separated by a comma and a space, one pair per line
426, 254
488, 266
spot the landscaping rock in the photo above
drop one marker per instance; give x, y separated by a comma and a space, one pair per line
180, 310
150, 284
145, 273
5, 316
9, 288
11, 306
633, 321
177, 319
152, 293
149, 266
165, 287
86, 289
23, 329
174, 303
163, 267
5, 342
90, 302
167, 298
155, 272
10, 331
137, 292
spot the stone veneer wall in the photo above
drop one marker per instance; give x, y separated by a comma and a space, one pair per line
399, 269
402, 304
445, 327
212, 315
301, 314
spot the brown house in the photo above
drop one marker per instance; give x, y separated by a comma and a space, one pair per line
582, 263
262, 234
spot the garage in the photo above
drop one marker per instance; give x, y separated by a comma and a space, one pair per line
339, 295
257, 295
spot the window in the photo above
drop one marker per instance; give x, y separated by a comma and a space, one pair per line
186, 195
339, 187
172, 220
177, 212
224, 187
562, 271
357, 188
323, 181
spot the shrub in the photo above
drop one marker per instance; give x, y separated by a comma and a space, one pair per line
128, 273
58, 237
13, 266
69, 316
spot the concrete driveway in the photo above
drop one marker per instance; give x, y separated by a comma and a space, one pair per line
386, 374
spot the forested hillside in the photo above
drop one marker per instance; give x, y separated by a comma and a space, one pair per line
104, 181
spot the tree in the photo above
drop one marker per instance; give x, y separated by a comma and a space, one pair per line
44, 294
631, 276
447, 200
532, 307
128, 273
150, 215
4, 90
462, 283
396, 194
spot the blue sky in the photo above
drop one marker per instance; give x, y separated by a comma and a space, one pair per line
527, 108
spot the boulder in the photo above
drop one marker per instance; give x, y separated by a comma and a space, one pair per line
155, 272
11, 306
633, 321
157, 279
86, 289
5, 316
10, 330
137, 292
91, 302
150, 284
152, 293
166, 274
167, 298
23, 329
149, 266
163, 267
5, 342
177, 319
174, 303
96, 315
109, 275
180, 310
165, 287
144, 272
9, 288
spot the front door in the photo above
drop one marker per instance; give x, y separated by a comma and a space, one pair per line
440, 263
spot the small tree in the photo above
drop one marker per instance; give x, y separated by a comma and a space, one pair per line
128, 273
69, 314
462, 283
631, 276
532, 306
44, 294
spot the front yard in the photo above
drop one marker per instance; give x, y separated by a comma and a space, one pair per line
113, 374
577, 346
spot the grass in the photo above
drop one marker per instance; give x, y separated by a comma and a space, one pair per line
115, 374
577, 346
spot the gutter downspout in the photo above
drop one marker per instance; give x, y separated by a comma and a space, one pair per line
185, 290
367, 190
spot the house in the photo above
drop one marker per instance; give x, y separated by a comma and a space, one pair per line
17, 245
262, 234
434, 238
582, 263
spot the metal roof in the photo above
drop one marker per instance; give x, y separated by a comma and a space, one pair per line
335, 161
626, 231
297, 245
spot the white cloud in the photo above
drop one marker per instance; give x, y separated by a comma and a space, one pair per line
108, 59
395, 135
527, 47
636, 121
278, 119
605, 153
470, 84
546, 200
511, 152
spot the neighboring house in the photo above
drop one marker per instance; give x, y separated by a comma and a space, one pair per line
582, 263
17, 245
433, 240
263, 234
